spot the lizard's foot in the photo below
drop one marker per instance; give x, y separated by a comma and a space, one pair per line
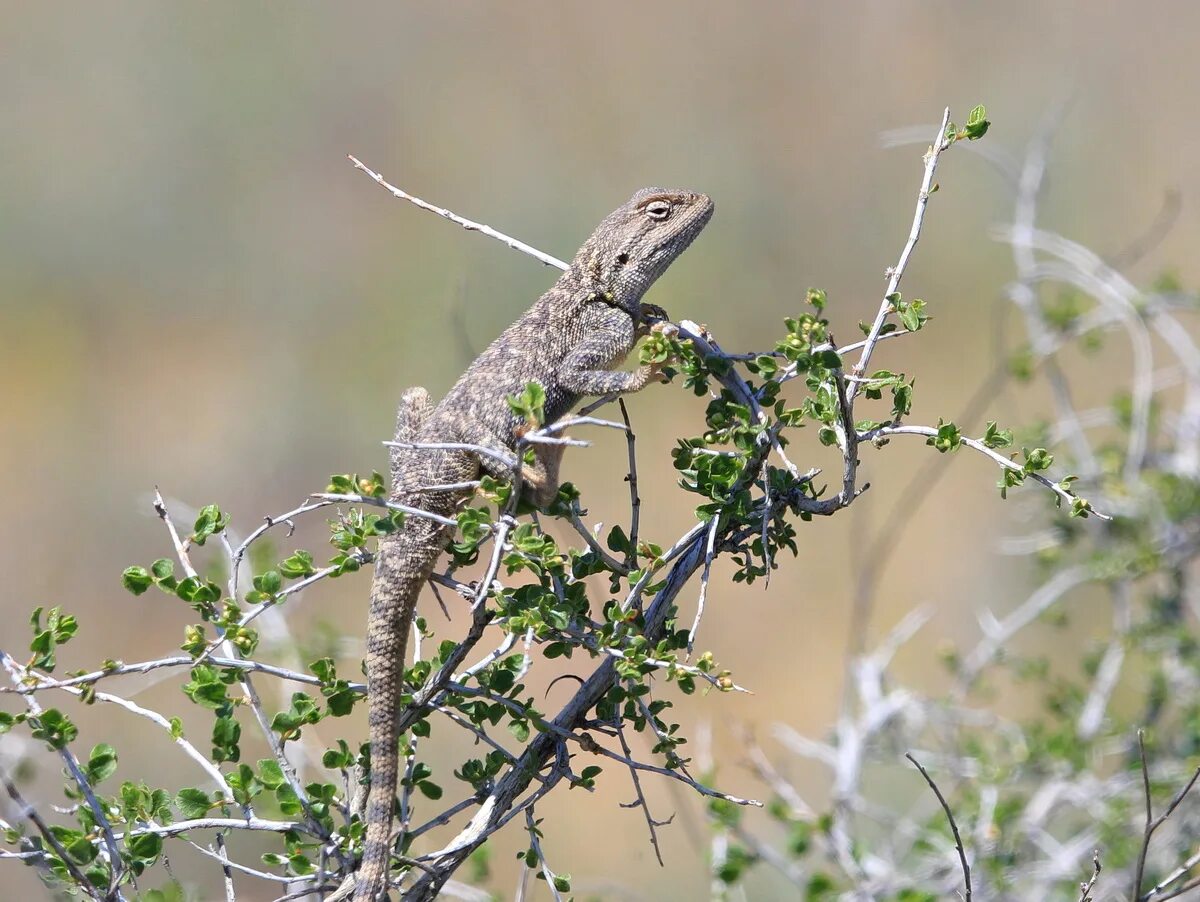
652, 312
654, 372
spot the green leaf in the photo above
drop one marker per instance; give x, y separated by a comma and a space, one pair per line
81, 850
977, 124
299, 565
948, 437
342, 484
270, 582
289, 802
430, 790
54, 728
102, 763
225, 735
147, 846
913, 316
530, 403
209, 522
994, 437
1038, 459
270, 773
338, 758
59, 629
617, 541
136, 579
192, 803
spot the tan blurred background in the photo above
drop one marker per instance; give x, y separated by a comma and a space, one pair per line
197, 291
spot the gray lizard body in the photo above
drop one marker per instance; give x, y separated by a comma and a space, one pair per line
568, 342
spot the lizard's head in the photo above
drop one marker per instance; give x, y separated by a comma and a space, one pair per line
635, 243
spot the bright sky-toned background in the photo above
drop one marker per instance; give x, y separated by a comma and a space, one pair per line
197, 291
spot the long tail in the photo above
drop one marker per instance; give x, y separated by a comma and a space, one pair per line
404, 562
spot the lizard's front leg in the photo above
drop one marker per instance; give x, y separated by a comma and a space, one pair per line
587, 369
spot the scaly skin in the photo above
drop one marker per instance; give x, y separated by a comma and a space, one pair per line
568, 341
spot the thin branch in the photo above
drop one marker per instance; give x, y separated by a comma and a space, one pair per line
390, 505
640, 800
44, 682
31, 813
708, 559
610, 562
1150, 826
1180, 872
1085, 889
635, 501
15, 671
962, 853
536, 845
976, 445
254, 824
508, 460
467, 224
190, 750
1153, 823
236, 556
896, 273
181, 549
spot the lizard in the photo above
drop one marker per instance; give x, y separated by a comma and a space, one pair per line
571, 342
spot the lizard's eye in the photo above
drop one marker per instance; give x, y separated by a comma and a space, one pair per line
622, 258
658, 209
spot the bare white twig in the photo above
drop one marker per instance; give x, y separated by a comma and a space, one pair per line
503, 457
43, 682
181, 548
467, 224
976, 445
383, 502
16, 673
896, 273
708, 559
535, 844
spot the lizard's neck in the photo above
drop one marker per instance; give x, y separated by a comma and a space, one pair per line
583, 283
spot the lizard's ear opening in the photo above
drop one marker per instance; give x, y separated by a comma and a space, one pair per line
622, 258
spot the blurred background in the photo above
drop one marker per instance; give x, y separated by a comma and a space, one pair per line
199, 292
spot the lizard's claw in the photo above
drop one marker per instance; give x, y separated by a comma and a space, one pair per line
653, 312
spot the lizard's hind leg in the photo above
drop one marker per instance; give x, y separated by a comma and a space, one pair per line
539, 480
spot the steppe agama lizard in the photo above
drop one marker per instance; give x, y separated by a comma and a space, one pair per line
568, 342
